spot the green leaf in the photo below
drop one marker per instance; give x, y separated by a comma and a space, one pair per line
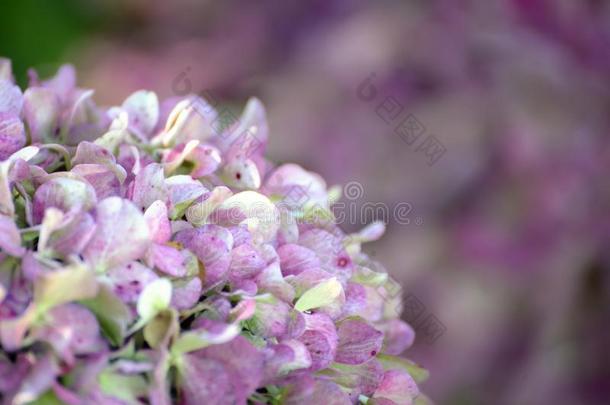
321, 295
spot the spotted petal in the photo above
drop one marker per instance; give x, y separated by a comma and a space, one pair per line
143, 110
122, 234
358, 341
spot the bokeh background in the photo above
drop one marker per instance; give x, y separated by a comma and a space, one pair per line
504, 157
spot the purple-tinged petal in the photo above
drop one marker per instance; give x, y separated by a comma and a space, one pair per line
355, 299
245, 369
191, 118
183, 191
10, 238
373, 310
41, 112
250, 208
296, 187
219, 309
358, 341
41, 376
242, 174
246, 262
63, 83
129, 280
12, 373
240, 235
270, 280
72, 234
330, 250
185, 294
12, 135
307, 280
212, 245
122, 234
397, 386
295, 259
66, 192
149, 186
168, 260
283, 358
205, 381
80, 124
289, 228
206, 160
143, 111
249, 133
271, 317
295, 326
362, 379
244, 310
198, 212
245, 287
322, 392
320, 338
88, 152
6, 197
31, 267
71, 330
103, 180
201, 160
158, 223
398, 336
11, 99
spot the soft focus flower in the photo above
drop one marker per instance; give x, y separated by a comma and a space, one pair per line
167, 262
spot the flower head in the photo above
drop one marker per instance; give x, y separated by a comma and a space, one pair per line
149, 256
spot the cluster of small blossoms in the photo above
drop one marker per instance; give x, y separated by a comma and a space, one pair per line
149, 254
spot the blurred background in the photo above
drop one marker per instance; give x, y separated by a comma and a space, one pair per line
489, 120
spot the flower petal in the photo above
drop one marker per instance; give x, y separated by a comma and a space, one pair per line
358, 341
320, 338
12, 135
128, 281
41, 112
143, 110
65, 193
212, 245
397, 386
103, 180
122, 234
11, 99
295, 259
250, 208
186, 293
158, 223
10, 238
398, 336
149, 186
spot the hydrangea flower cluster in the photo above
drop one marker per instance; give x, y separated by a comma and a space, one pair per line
150, 254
